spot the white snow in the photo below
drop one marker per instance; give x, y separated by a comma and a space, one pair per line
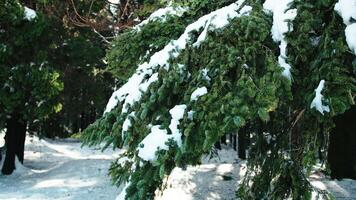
317, 101
144, 86
350, 33
29, 14
202, 35
60, 170
162, 14
191, 114
122, 194
127, 124
130, 92
114, 1
346, 9
156, 140
344, 189
50, 171
281, 15
198, 93
177, 114
205, 181
205, 74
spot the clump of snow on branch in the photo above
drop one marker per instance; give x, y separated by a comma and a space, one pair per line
177, 114
281, 15
198, 93
205, 75
347, 10
127, 124
131, 92
158, 138
161, 15
317, 101
114, 1
350, 33
29, 14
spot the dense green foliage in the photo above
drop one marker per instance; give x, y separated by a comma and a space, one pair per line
30, 86
245, 84
52, 72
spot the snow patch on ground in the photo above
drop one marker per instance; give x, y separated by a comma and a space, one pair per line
60, 170
341, 189
215, 178
51, 171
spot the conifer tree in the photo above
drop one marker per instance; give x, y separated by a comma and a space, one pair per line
204, 69
29, 85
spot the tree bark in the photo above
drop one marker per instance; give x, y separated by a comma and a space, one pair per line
342, 148
241, 143
14, 143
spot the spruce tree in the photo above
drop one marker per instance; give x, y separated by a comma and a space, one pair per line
29, 85
211, 67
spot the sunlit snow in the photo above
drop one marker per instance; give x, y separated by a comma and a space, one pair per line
281, 15
156, 140
162, 14
317, 101
198, 93
29, 14
350, 33
347, 10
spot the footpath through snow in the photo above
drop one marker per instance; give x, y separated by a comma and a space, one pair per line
59, 170
63, 170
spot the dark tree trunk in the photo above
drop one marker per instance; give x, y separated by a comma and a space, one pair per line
223, 140
342, 148
233, 141
241, 134
14, 143
218, 145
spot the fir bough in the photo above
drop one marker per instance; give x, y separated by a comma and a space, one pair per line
238, 65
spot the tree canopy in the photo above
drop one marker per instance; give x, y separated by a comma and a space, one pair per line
30, 85
209, 68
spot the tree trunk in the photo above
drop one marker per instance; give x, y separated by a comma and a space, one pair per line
223, 140
233, 141
342, 148
241, 143
14, 143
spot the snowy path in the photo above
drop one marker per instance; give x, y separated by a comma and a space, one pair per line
63, 170
60, 170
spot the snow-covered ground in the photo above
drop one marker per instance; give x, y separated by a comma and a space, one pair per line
63, 170
60, 170
216, 178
